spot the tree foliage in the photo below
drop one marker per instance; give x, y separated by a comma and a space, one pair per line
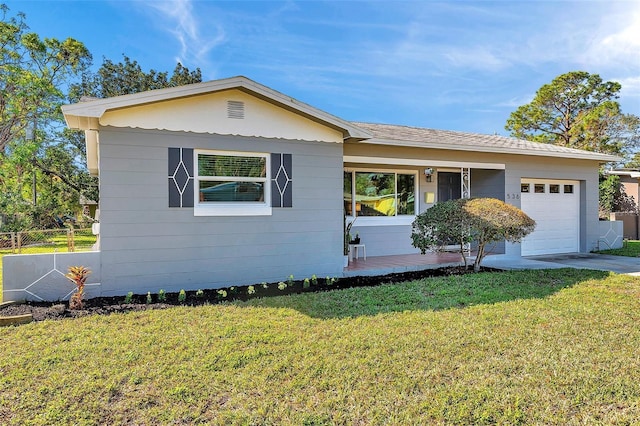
479, 220
127, 77
33, 72
577, 110
613, 197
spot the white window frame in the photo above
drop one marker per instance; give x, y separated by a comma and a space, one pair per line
383, 220
262, 208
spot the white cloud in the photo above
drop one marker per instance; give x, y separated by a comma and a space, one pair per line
617, 41
196, 40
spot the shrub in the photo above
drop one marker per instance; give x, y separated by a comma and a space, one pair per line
162, 296
149, 298
443, 224
77, 275
483, 220
182, 296
129, 297
493, 220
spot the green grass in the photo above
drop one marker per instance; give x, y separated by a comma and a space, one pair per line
523, 347
630, 249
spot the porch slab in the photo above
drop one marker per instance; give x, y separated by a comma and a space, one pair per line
383, 265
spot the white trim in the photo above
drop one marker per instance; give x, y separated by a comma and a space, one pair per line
232, 208
402, 220
421, 163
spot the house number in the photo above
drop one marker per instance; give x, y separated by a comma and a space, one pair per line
513, 196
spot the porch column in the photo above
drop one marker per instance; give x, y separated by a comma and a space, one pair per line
465, 182
465, 192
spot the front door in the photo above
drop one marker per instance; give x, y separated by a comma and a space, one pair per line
449, 186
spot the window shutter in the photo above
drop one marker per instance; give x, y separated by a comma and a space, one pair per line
180, 177
281, 180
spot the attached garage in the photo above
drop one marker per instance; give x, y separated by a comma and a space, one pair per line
555, 206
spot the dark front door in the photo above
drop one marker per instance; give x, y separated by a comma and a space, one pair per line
449, 186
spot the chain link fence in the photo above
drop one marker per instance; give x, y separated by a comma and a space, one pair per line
46, 241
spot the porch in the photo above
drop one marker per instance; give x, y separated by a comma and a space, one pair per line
383, 265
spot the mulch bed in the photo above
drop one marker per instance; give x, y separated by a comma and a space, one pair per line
107, 305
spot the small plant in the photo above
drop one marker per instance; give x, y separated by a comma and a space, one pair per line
265, 285
290, 280
314, 279
182, 296
251, 290
77, 275
162, 296
306, 283
222, 293
149, 298
129, 297
328, 280
199, 294
282, 285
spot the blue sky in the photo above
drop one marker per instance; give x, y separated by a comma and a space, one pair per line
456, 65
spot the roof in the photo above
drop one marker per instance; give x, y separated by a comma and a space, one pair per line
387, 134
85, 115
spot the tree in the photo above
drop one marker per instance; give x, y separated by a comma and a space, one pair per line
127, 77
479, 220
577, 110
32, 74
613, 198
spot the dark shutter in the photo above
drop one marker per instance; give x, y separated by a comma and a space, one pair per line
281, 180
180, 177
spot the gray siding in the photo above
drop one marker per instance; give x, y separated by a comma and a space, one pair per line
147, 246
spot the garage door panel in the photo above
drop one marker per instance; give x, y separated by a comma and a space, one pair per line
556, 215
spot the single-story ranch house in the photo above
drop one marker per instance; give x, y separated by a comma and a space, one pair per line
229, 182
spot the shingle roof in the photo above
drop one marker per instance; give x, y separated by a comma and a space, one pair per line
387, 134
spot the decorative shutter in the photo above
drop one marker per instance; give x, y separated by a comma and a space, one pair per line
281, 180
181, 177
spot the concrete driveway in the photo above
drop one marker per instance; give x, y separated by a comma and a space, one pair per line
602, 262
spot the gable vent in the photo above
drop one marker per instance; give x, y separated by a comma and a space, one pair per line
235, 109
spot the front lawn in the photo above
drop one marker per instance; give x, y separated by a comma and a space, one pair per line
522, 347
630, 249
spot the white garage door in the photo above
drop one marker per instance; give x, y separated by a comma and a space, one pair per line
555, 206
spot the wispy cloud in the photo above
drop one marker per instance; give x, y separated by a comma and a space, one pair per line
617, 40
195, 39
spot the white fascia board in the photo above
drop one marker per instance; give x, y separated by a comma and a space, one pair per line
579, 155
623, 173
421, 162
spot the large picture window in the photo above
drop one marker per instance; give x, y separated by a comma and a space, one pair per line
379, 193
232, 183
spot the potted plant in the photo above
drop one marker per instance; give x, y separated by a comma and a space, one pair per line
347, 239
356, 240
